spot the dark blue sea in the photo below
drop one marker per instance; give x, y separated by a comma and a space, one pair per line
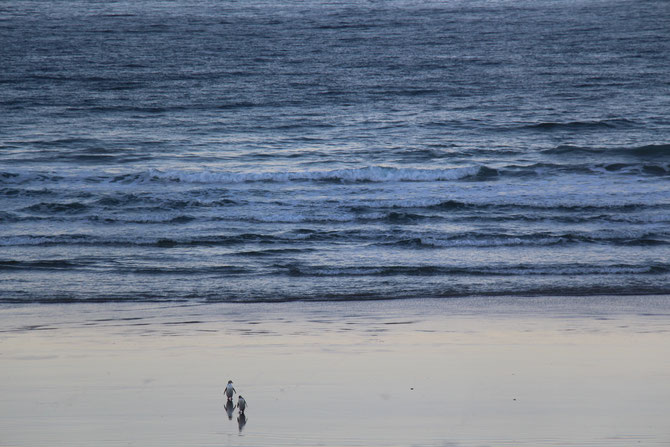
239, 151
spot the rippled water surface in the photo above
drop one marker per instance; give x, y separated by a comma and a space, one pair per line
252, 151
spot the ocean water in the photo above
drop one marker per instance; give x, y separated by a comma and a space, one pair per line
333, 150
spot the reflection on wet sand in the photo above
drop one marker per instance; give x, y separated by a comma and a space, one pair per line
241, 421
230, 407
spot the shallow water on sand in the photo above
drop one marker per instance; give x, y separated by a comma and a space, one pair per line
556, 372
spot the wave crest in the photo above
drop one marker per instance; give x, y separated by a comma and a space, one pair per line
372, 174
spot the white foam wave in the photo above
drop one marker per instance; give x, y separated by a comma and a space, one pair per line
366, 174
375, 174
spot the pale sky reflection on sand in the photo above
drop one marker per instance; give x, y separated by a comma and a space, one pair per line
387, 374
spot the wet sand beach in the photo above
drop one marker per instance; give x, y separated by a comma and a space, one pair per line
463, 372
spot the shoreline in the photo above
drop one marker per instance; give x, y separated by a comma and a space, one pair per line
386, 373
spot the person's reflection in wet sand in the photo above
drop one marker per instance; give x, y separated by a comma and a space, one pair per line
230, 407
241, 421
